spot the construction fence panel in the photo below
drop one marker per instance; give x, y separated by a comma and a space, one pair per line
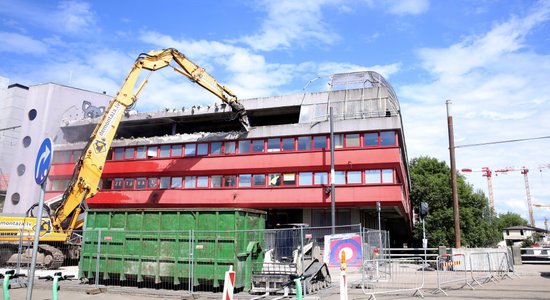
51, 257
452, 272
480, 267
393, 276
377, 244
500, 264
284, 258
152, 259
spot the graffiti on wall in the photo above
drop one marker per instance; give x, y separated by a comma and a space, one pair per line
91, 111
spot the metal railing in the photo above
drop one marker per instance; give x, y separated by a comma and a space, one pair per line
535, 255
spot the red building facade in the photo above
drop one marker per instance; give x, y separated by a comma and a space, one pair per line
184, 159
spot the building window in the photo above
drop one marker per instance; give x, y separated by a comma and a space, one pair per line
370, 139
141, 152
76, 155
153, 183
305, 178
176, 150
257, 146
372, 176
229, 181
229, 148
274, 179
322, 217
190, 182
202, 149
190, 150
164, 151
216, 148
354, 177
340, 177
244, 180
304, 143
106, 183
117, 183
216, 181
387, 138
129, 183
129, 153
176, 183
258, 179
202, 181
119, 154
141, 183
352, 140
387, 176
165, 182
289, 179
319, 142
244, 146
288, 144
320, 178
152, 152
273, 145
338, 141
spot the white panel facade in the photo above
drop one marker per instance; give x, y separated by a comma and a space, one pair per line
47, 106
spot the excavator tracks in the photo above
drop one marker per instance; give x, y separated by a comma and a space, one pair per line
49, 257
53, 258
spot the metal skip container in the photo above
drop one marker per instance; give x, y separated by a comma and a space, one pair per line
185, 247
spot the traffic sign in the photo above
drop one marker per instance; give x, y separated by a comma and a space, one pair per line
43, 161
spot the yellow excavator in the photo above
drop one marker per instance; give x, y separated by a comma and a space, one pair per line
64, 215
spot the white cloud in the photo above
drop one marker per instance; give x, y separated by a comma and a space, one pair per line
407, 7
401, 7
74, 17
499, 91
291, 22
18, 43
333, 68
69, 17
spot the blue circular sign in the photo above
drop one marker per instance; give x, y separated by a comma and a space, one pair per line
43, 161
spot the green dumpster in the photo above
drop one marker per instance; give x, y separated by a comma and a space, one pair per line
172, 247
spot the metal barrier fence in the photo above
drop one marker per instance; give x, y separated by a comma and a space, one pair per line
480, 268
452, 270
535, 255
393, 275
194, 260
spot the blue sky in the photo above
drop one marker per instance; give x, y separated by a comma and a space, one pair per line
492, 58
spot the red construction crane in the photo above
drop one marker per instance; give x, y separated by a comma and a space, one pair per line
486, 172
523, 171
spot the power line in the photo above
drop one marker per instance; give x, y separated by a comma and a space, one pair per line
502, 142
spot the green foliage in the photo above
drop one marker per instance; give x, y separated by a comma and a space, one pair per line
431, 182
510, 219
530, 241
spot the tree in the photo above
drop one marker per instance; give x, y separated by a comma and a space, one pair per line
431, 183
509, 219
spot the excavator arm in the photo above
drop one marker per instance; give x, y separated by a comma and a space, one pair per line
84, 182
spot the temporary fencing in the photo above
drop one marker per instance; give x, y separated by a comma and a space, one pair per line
501, 265
196, 260
392, 276
452, 271
480, 267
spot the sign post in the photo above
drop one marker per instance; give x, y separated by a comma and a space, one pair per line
41, 169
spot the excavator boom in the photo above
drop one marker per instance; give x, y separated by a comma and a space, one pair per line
84, 183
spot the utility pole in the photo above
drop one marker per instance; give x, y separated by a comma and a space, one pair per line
453, 174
